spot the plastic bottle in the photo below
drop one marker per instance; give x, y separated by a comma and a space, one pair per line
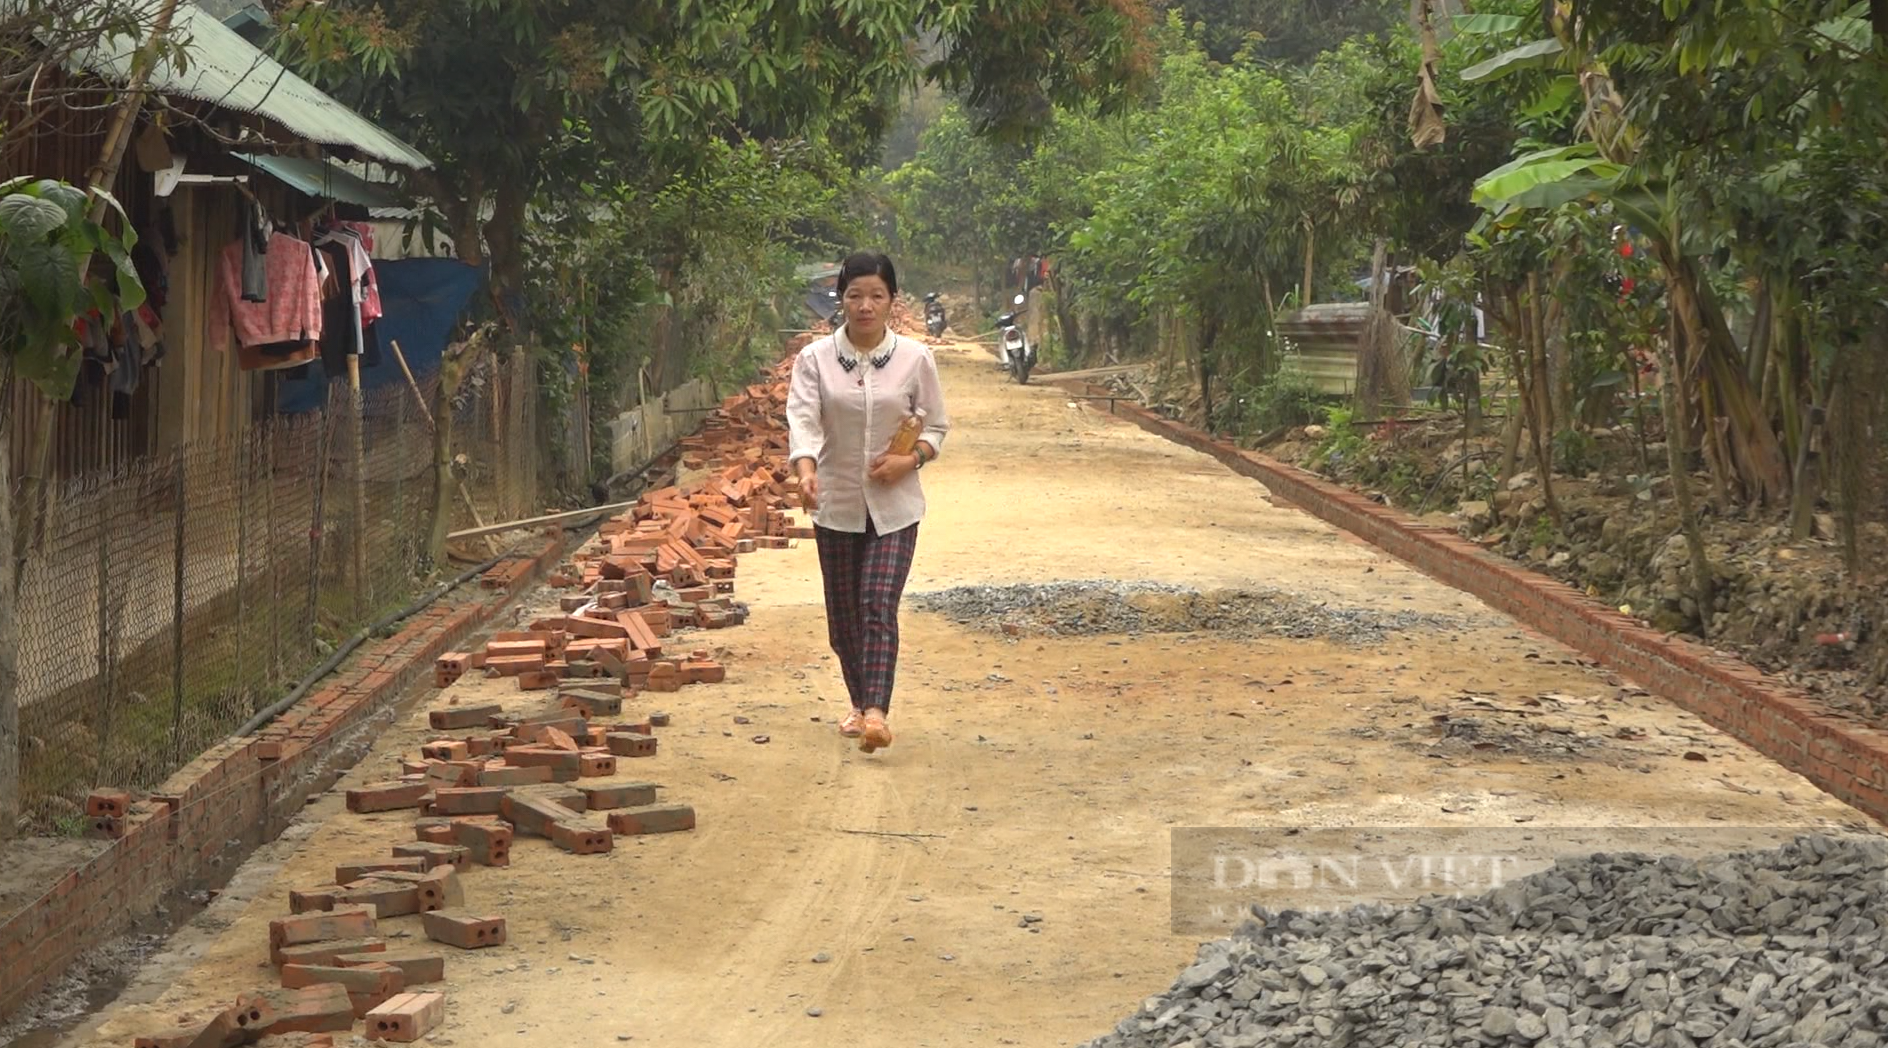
905, 440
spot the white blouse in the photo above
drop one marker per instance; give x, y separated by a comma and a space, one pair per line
843, 407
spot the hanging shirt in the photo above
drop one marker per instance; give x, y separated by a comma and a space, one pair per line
843, 407
291, 315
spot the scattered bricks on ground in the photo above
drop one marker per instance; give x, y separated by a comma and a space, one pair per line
502, 772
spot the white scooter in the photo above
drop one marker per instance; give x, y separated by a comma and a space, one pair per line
1015, 354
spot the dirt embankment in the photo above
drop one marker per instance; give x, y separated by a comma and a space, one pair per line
1789, 606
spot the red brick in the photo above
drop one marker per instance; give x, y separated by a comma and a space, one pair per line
580, 839
434, 831
489, 844
386, 796
664, 677
464, 929
654, 818
596, 765
186, 1034
627, 744
406, 1018
472, 800
354, 871
448, 668
535, 811
595, 628
620, 795
516, 644
440, 889
349, 922
506, 775
590, 703
539, 679
323, 1008
434, 855
111, 804
457, 718
446, 750
314, 900
417, 967
387, 896
452, 774
480, 745
537, 729
564, 765
376, 978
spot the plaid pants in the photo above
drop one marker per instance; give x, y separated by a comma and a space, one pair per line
865, 579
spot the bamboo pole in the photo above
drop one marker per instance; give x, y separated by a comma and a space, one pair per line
413, 384
552, 518
359, 453
118, 137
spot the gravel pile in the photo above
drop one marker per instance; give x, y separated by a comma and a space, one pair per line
1072, 609
1783, 947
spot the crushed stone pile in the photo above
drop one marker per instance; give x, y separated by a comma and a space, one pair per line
1783, 948
1092, 608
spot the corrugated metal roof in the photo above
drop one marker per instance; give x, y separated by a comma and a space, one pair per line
225, 70
324, 179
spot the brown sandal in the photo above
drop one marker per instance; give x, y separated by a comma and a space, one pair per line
854, 725
877, 734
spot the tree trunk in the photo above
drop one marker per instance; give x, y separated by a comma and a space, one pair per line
1559, 355
1311, 251
9, 634
1725, 387
666, 351
1073, 349
1678, 465
1209, 336
1541, 424
453, 368
1472, 403
1693, 346
504, 238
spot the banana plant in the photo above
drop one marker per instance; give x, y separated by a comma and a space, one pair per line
1609, 168
49, 250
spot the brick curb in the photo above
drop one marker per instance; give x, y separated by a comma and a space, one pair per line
238, 795
1841, 755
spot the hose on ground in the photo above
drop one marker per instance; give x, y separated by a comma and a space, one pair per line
341, 653
328, 665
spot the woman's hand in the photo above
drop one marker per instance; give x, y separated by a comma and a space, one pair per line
890, 469
809, 486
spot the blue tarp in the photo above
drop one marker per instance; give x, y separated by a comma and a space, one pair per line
422, 300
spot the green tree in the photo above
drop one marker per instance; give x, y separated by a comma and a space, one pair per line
1292, 32
492, 88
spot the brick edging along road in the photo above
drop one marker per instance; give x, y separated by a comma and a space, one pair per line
204, 820
1842, 756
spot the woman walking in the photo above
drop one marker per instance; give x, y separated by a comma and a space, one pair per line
850, 394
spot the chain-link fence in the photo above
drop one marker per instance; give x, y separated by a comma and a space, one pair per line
165, 603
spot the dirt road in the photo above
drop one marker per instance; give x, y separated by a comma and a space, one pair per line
1000, 876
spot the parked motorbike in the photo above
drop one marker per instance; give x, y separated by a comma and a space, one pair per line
933, 315
1017, 355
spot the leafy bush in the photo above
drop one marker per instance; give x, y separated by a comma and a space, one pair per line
1288, 396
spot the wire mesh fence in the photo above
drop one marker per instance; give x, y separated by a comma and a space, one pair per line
164, 603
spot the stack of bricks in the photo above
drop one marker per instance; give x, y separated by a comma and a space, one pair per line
335, 969
615, 632
474, 788
686, 537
